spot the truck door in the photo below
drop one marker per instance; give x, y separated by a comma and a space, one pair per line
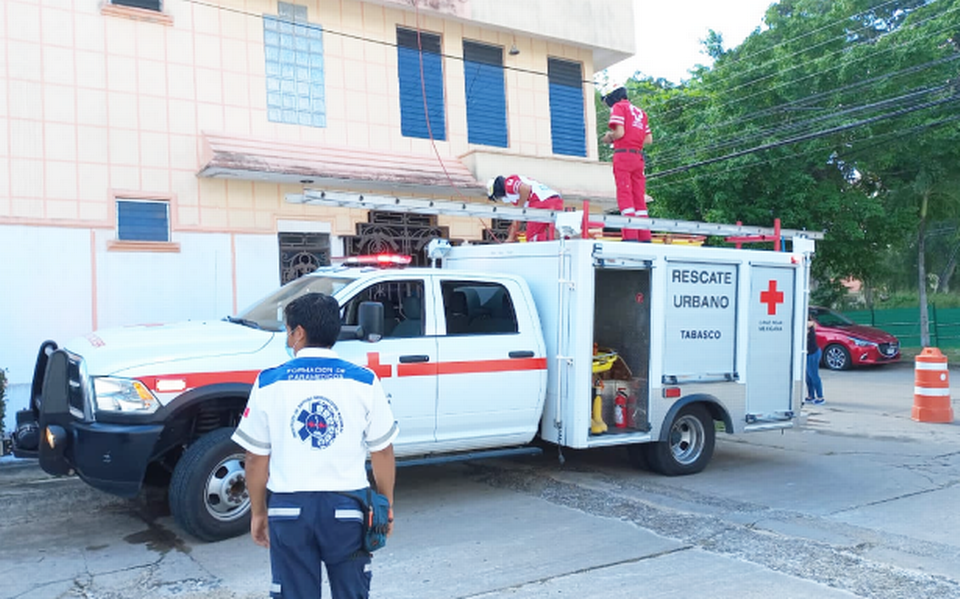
492, 371
770, 344
400, 357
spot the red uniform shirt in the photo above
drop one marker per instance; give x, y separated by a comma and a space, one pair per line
634, 121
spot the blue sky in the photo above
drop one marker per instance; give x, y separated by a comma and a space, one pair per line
668, 33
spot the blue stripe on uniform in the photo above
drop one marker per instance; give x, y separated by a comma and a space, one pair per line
316, 369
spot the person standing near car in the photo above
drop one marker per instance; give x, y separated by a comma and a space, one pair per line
814, 384
307, 428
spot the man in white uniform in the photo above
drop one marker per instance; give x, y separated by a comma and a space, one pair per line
307, 428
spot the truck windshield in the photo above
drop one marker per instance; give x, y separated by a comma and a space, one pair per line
267, 314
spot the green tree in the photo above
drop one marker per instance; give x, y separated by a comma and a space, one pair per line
836, 116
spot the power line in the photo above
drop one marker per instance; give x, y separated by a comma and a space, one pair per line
911, 96
807, 137
739, 121
820, 72
892, 47
817, 30
370, 40
876, 141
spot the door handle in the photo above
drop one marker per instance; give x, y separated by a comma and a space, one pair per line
521, 354
414, 359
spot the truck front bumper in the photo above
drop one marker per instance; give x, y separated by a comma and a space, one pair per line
60, 429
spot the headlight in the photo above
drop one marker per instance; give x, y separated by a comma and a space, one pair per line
123, 395
862, 343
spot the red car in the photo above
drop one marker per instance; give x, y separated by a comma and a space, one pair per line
846, 343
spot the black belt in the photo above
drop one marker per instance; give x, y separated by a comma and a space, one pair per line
631, 150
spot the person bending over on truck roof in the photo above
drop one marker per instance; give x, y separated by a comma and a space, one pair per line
629, 132
523, 191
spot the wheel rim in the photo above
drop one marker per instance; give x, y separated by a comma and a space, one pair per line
687, 438
226, 496
835, 358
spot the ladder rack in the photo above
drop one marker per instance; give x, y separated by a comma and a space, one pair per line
345, 199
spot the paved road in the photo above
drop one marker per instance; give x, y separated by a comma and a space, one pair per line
857, 501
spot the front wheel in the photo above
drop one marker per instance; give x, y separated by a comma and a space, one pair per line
836, 357
689, 444
208, 491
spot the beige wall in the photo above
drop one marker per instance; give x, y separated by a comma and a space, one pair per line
97, 105
607, 28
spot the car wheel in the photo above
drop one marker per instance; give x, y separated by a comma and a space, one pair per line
689, 444
836, 357
208, 492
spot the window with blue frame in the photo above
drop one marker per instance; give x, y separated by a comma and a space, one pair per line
414, 120
143, 220
294, 67
486, 94
567, 125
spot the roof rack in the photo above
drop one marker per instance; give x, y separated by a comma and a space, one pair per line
347, 199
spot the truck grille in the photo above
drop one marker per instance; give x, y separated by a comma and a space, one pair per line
77, 381
65, 378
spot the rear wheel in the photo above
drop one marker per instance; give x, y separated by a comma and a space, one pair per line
208, 491
689, 444
836, 357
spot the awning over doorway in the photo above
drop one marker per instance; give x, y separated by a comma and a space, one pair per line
233, 157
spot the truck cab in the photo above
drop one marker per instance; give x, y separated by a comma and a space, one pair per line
461, 358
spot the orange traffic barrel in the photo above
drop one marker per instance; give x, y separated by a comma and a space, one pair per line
931, 390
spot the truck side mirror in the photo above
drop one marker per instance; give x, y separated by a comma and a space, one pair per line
370, 317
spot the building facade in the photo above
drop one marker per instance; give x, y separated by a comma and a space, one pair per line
151, 145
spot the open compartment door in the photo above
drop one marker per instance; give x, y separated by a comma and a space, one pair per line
771, 344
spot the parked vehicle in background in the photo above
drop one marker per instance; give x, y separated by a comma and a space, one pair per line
846, 344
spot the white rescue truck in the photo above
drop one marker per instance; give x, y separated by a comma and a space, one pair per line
578, 342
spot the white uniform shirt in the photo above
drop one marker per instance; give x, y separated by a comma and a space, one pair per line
316, 416
538, 191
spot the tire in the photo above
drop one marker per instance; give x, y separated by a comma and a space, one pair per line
208, 491
836, 357
689, 445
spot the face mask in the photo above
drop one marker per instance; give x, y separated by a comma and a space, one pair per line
290, 352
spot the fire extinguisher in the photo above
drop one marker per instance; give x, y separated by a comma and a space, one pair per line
620, 409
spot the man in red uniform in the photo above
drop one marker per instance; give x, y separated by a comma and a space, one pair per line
523, 191
629, 132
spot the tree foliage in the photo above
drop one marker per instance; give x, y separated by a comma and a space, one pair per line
837, 115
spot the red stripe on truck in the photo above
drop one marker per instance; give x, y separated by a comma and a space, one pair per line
201, 379
471, 366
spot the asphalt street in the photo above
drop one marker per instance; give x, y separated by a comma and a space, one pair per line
857, 501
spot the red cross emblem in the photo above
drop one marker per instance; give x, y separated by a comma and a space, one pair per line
771, 297
381, 370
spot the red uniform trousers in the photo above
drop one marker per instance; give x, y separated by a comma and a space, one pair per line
631, 190
541, 231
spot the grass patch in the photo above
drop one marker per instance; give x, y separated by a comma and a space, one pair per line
910, 353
